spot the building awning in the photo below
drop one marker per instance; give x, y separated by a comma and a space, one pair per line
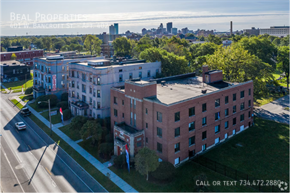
119, 142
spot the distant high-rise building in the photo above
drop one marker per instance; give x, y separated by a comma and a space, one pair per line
112, 30
116, 25
144, 31
174, 30
184, 30
161, 26
169, 27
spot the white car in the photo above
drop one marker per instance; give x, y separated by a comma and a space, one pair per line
20, 125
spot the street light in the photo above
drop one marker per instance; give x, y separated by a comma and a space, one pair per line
48, 113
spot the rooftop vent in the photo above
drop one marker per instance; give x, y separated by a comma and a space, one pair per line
14, 63
55, 57
203, 91
163, 82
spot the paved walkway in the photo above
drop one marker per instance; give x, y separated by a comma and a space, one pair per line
7, 91
275, 110
18, 99
96, 163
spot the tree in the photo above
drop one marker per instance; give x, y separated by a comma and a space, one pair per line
59, 43
283, 61
276, 41
214, 39
106, 149
93, 45
13, 56
93, 130
77, 122
6, 43
47, 42
146, 161
201, 38
122, 47
38, 43
78, 47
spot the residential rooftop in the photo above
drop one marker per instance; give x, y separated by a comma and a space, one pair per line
20, 51
12, 63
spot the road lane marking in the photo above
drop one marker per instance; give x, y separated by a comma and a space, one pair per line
12, 170
48, 171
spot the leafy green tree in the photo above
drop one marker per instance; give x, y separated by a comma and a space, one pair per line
93, 130
283, 61
47, 43
6, 43
59, 43
3, 49
214, 39
38, 43
66, 48
78, 47
106, 149
146, 161
122, 47
276, 41
93, 45
285, 41
13, 56
201, 38
77, 122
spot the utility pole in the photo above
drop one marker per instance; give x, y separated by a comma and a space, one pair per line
49, 116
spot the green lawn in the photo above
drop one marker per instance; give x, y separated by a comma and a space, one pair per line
18, 85
182, 182
73, 134
267, 99
26, 98
18, 104
102, 179
265, 151
54, 119
282, 82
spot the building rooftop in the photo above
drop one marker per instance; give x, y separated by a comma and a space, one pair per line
11, 63
127, 128
19, 51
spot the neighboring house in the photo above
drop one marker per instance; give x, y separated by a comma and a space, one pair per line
91, 81
25, 56
279, 31
179, 116
51, 74
12, 69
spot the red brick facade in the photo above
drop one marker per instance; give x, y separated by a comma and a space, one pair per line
25, 56
146, 117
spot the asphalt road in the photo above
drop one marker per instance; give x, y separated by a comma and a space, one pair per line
32, 162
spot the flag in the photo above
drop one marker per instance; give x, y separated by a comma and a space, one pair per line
127, 157
60, 111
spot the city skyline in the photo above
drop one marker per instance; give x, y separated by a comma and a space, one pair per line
132, 16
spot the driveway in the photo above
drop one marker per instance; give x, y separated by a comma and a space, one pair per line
275, 110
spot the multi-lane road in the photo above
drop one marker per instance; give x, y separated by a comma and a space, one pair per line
32, 162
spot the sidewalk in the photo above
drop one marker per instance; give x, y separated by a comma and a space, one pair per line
18, 99
7, 91
96, 163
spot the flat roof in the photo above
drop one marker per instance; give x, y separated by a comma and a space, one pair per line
19, 51
173, 91
106, 66
10, 63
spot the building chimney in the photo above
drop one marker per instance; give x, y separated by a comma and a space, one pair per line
204, 70
231, 28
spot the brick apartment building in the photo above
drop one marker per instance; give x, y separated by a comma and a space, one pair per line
179, 116
25, 56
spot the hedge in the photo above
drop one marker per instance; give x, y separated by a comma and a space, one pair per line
66, 114
63, 105
64, 96
29, 90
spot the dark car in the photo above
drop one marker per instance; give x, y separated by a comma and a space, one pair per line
25, 111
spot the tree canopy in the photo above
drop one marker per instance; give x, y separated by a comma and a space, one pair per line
283, 61
93, 45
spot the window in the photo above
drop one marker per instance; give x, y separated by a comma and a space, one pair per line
146, 111
226, 125
242, 106
234, 121
130, 75
134, 104
177, 147
83, 77
177, 116
203, 147
204, 135
159, 147
234, 109
203, 121
242, 117
122, 102
134, 120
91, 90
249, 114
120, 77
226, 99
217, 102
98, 93
159, 132
191, 126
204, 107
177, 132
131, 118
217, 116
146, 139
242, 94
249, 103
123, 115
146, 125
116, 113
139, 144
98, 81
191, 111
120, 70
91, 101
217, 129
227, 112
157, 71
115, 100
159, 116
148, 73
98, 105
83, 88
140, 74
191, 141
249, 91
234, 97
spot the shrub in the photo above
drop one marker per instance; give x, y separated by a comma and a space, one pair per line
63, 105
165, 172
66, 114
106, 149
120, 161
29, 90
109, 138
77, 122
53, 100
64, 96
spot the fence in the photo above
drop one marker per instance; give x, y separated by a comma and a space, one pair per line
245, 179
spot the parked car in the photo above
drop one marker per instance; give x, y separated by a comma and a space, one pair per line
25, 111
20, 125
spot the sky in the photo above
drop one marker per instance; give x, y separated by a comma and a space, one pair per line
43, 17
